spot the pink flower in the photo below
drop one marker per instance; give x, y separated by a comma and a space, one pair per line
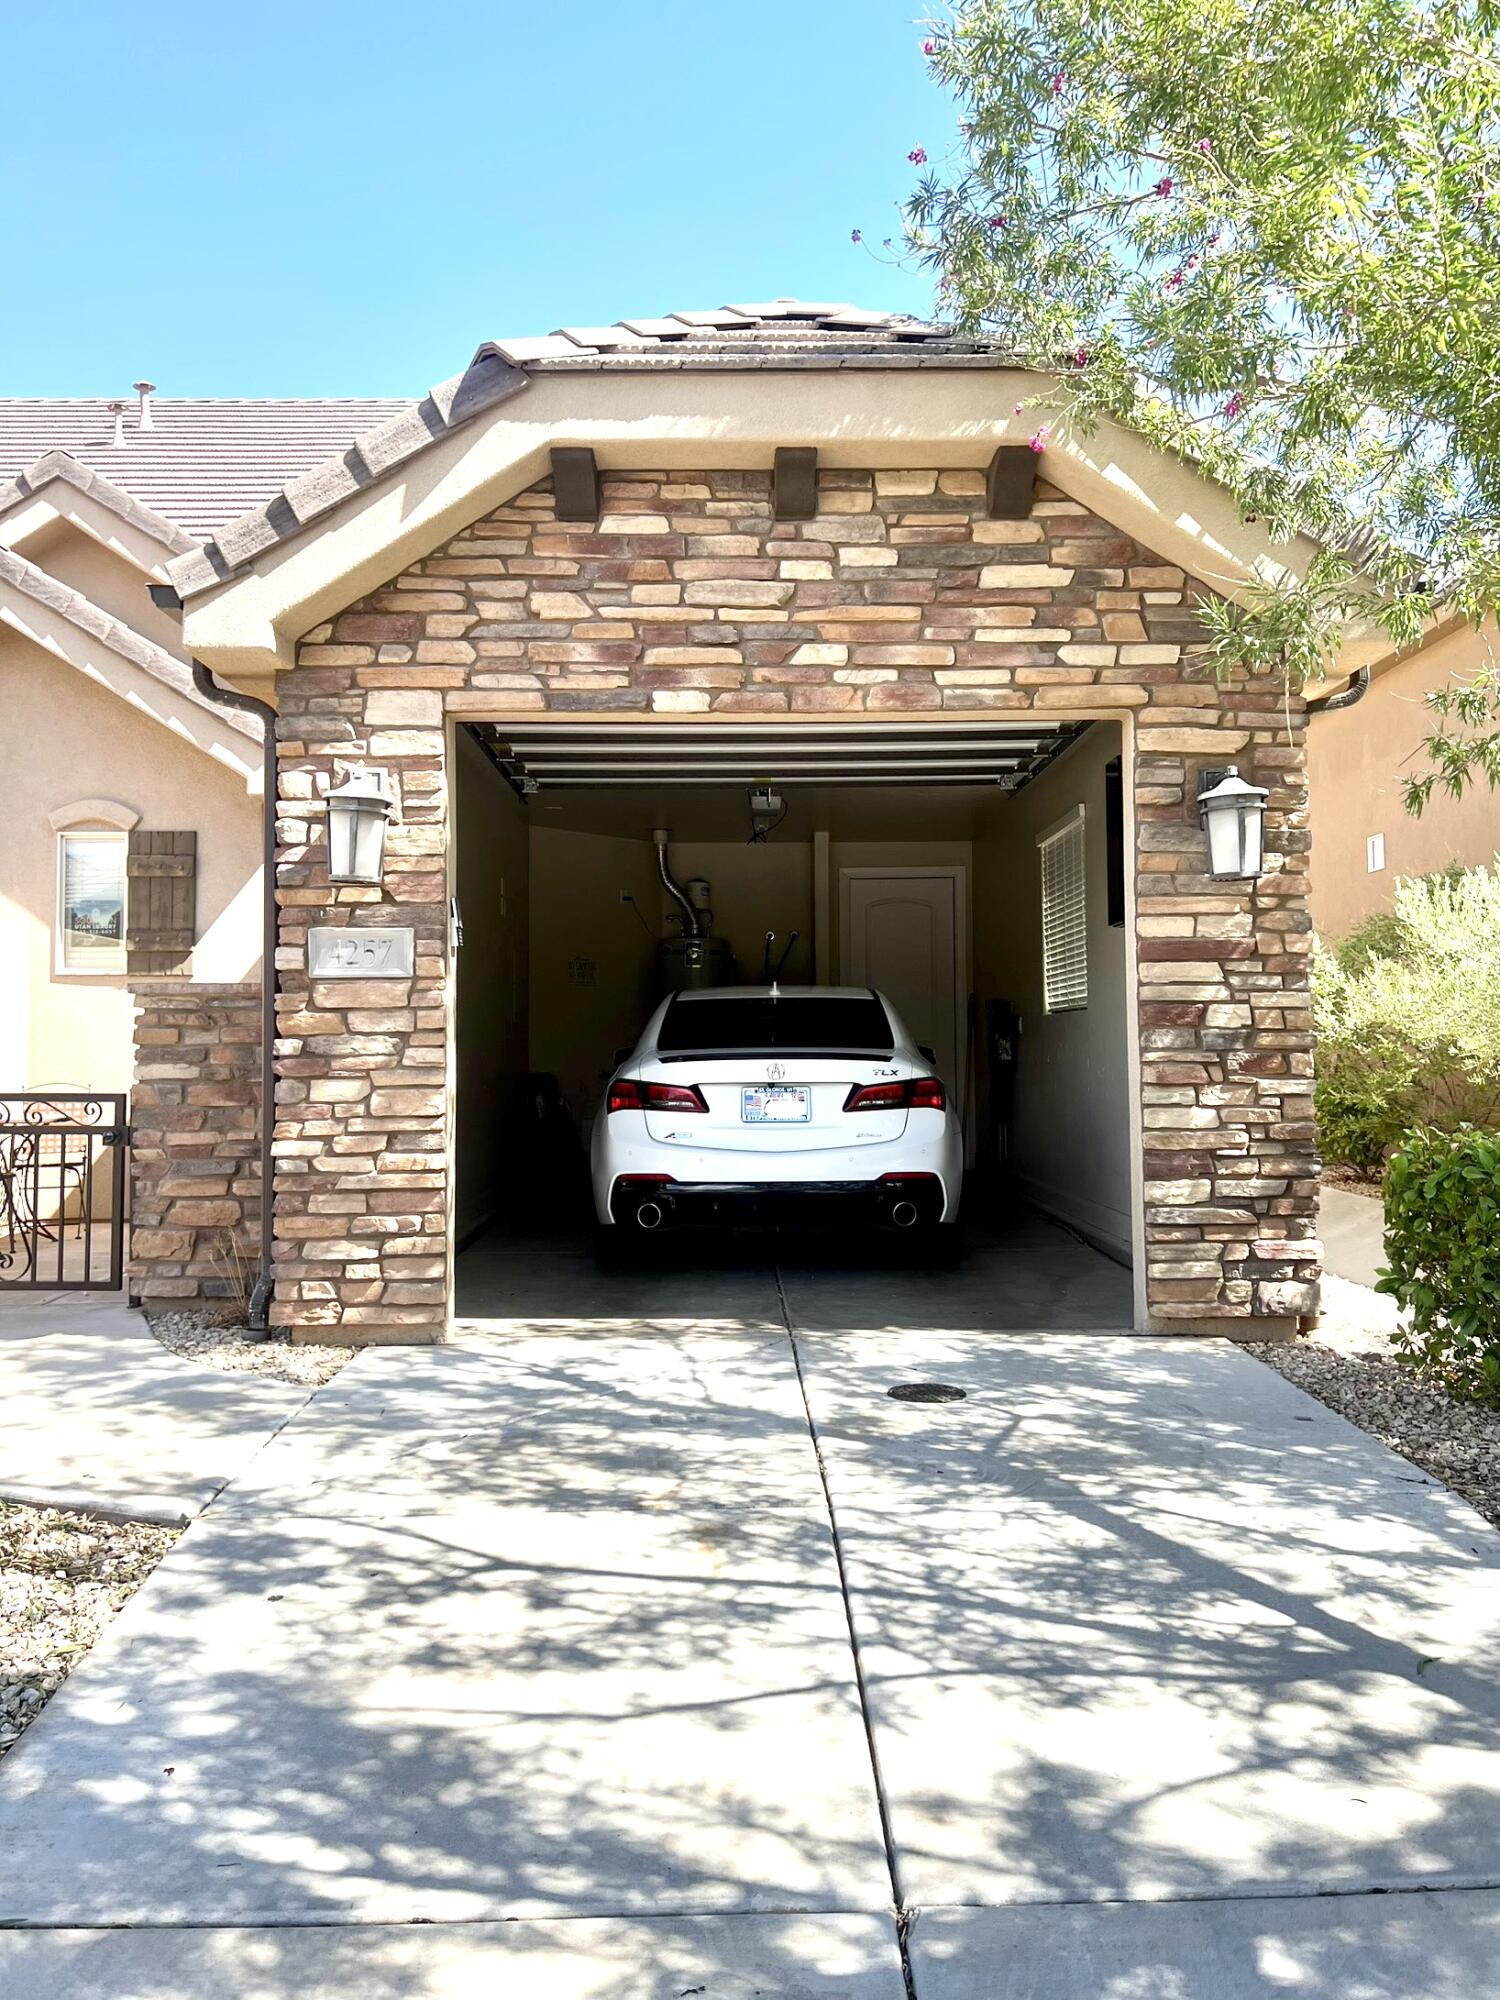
1038, 440
1057, 84
1205, 145
1018, 409
918, 156
854, 236
1081, 358
929, 48
1174, 283
1192, 262
1235, 404
1163, 186
1213, 241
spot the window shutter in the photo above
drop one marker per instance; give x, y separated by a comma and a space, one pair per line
1065, 933
161, 873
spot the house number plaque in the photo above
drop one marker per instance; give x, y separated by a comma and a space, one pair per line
351, 954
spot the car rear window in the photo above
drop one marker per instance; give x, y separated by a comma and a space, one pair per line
840, 1023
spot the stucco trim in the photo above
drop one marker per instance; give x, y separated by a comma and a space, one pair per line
86, 492
121, 817
248, 623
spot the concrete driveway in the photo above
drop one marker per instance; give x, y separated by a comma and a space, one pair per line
526, 1665
95, 1413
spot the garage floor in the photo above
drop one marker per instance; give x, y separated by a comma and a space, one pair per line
1019, 1273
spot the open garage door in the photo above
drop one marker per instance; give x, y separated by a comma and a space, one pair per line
952, 865
552, 756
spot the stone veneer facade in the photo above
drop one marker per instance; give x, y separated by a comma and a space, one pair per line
687, 598
194, 1151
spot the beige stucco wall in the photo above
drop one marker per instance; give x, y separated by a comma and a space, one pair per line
1357, 761
1070, 1135
107, 580
67, 739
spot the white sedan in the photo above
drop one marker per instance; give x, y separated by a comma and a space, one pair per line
777, 1105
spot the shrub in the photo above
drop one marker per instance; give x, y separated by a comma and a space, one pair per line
1408, 1018
1442, 1239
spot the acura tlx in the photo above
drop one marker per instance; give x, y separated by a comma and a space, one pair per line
777, 1106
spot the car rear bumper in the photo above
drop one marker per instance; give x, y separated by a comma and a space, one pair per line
897, 1202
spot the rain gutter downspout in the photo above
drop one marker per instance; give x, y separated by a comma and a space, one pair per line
209, 688
1346, 697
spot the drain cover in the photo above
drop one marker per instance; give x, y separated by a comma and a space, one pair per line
927, 1392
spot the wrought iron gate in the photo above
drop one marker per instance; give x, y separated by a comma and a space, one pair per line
62, 1191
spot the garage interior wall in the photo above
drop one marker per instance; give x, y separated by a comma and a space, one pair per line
1069, 1146
559, 970
492, 880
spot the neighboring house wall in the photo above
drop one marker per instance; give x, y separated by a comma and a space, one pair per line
1069, 1134
69, 739
900, 597
107, 580
1357, 759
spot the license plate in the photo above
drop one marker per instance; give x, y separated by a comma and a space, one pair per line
777, 1104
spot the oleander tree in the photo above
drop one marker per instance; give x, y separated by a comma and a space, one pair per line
1266, 234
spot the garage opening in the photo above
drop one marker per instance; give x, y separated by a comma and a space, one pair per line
970, 871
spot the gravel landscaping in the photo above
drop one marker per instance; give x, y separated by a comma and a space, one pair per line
62, 1578
1349, 1365
208, 1337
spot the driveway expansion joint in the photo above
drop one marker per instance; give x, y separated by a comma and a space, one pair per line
903, 1920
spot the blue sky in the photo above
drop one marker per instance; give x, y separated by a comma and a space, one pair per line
325, 199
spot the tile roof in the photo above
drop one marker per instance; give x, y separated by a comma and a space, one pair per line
781, 334
777, 333
207, 460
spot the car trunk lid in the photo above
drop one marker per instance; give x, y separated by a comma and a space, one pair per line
781, 1104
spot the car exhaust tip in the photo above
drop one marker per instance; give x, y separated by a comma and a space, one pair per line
904, 1214
648, 1216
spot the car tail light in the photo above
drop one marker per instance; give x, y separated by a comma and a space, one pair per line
919, 1093
627, 1095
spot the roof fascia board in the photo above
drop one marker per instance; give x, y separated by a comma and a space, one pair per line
250, 623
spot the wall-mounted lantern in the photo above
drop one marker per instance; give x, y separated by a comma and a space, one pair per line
357, 816
1233, 816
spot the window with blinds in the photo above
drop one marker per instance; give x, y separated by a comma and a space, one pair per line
1065, 931
91, 902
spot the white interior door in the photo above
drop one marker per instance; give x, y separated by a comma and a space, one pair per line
902, 932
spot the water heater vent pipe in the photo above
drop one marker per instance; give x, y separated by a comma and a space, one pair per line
660, 836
